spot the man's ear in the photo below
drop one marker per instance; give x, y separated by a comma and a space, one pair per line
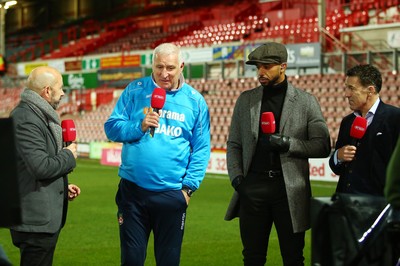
46, 92
371, 90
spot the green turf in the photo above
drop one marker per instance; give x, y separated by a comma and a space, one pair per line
90, 236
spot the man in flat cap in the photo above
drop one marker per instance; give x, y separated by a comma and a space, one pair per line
269, 171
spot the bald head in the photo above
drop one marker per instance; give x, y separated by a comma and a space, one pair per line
47, 82
42, 77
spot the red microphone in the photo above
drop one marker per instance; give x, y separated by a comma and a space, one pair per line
358, 129
157, 103
268, 123
68, 131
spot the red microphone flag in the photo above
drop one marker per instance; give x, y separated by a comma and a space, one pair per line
158, 98
268, 123
157, 103
68, 131
358, 127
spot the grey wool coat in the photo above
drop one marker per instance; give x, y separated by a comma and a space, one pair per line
42, 173
303, 122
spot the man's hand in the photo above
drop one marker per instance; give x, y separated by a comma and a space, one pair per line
236, 182
346, 153
279, 143
187, 197
73, 148
150, 120
73, 191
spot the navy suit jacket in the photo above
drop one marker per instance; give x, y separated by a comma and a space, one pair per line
367, 173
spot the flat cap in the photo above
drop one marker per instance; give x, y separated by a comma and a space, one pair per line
268, 53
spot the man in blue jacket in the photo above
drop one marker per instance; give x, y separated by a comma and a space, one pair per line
158, 173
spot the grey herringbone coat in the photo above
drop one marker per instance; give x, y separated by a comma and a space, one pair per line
303, 122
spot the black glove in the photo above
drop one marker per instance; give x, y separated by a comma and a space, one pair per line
279, 143
236, 182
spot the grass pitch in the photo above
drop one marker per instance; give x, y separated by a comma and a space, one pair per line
90, 236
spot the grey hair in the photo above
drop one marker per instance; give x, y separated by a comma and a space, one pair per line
168, 49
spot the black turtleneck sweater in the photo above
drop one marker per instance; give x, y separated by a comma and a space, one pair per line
272, 101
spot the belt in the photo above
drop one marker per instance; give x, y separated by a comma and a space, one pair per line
269, 173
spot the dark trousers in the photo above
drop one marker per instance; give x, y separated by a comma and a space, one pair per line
141, 211
263, 202
36, 249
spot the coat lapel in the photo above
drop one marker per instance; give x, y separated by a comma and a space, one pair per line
373, 128
287, 108
255, 109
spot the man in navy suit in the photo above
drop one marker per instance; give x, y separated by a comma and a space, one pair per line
362, 167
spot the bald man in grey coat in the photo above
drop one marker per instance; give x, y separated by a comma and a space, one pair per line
43, 165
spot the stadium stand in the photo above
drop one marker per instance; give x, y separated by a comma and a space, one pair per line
242, 23
221, 96
200, 27
9, 99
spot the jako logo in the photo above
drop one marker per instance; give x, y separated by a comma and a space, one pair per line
183, 221
169, 130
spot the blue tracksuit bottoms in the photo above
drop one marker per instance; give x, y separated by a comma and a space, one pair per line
141, 211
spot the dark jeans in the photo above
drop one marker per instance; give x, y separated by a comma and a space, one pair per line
36, 249
263, 202
141, 211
